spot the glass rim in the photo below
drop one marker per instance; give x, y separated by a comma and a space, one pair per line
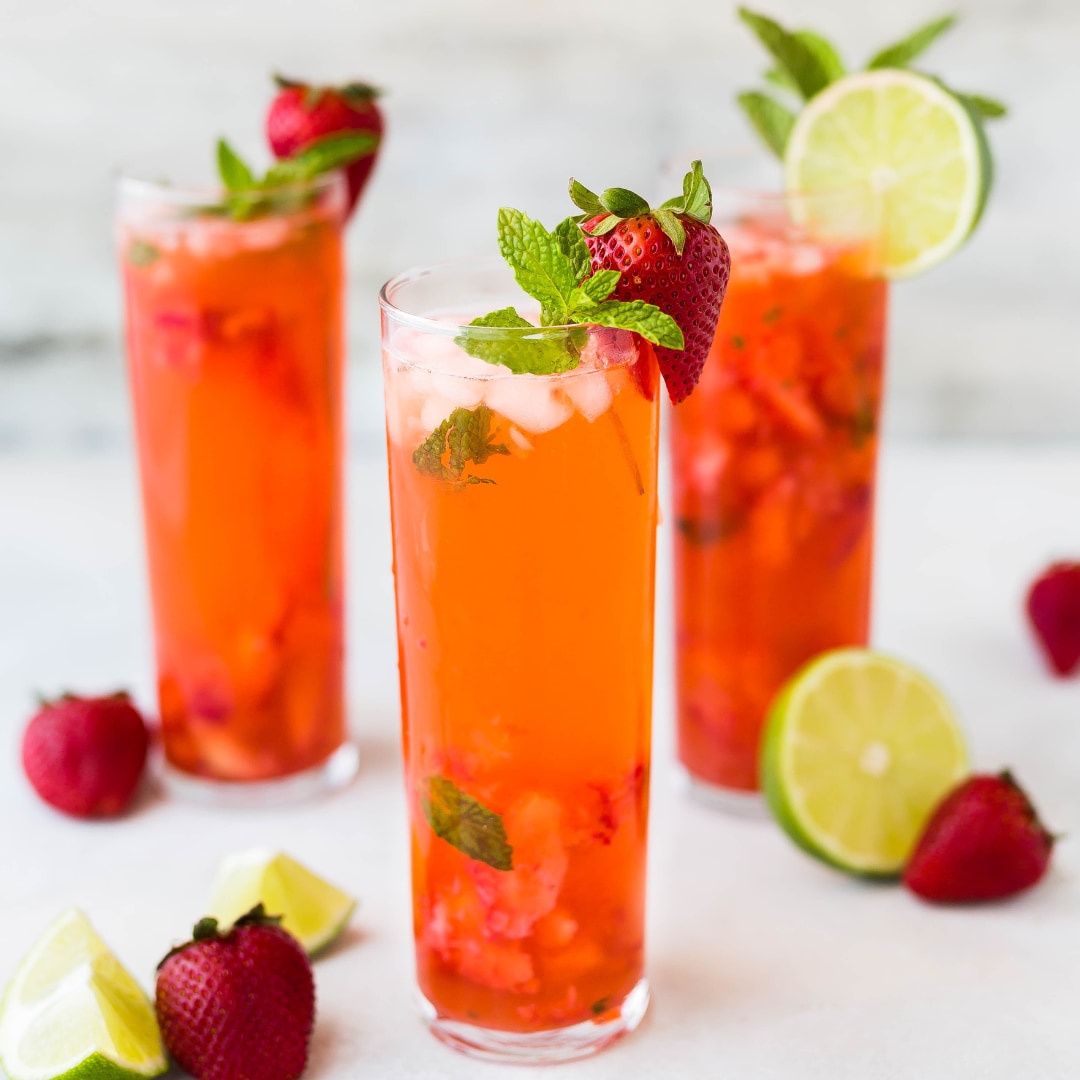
133, 183
427, 325
446, 329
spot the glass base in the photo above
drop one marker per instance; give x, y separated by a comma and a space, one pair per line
336, 772
738, 803
538, 1047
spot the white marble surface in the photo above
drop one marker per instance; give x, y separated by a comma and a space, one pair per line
765, 966
493, 102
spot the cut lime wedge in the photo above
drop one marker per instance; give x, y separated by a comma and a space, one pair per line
73, 1012
313, 911
859, 749
906, 151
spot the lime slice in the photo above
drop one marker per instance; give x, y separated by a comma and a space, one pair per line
906, 151
72, 1011
859, 749
312, 910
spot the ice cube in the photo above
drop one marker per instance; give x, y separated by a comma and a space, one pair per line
517, 437
805, 259
591, 394
536, 403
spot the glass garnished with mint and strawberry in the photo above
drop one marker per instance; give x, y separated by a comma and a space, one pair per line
522, 409
234, 305
774, 458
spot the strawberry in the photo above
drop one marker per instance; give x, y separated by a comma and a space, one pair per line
301, 115
239, 1003
671, 257
85, 756
1053, 606
984, 842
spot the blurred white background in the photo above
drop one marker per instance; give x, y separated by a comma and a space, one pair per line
494, 102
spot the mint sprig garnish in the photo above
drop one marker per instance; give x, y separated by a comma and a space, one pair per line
248, 196
465, 823
464, 437
805, 63
553, 267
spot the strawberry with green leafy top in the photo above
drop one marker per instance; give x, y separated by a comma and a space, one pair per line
303, 116
671, 257
669, 292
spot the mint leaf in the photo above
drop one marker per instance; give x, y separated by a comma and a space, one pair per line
596, 289
530, 353
466, 824
325, 155
827, 55
770, 119
798, 60
572, 244
142, 253
463, 437
644, 319
901, 53
540, 266
234, 171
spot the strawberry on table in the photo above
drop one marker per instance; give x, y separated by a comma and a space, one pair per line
1053, 607
238, 1003
984, 842
301, 115
671, 257
85, 756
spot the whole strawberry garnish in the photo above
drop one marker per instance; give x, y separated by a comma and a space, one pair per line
1053, 606
670, 257
301, 115
984, 842
85, 755
238, 1004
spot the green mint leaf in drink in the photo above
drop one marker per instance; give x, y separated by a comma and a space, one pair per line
465, 823
329, 153
235, 173
571, 242
532, 352
595, 289
901, 53
464, 437
771, 120
540, 265
642, 318
795, 57
142, 253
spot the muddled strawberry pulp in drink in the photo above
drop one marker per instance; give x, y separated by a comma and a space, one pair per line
524, 512
234, 332
773, 462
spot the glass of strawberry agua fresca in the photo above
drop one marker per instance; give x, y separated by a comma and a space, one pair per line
524, 514
523, 468
773, 474
235, 348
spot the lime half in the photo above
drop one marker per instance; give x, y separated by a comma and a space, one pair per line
859, 749
312, 910
72, 1011
905, 150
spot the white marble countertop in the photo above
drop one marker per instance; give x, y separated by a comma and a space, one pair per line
764, 964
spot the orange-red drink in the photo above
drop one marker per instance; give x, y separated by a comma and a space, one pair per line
234, 332
524, 516
773, 461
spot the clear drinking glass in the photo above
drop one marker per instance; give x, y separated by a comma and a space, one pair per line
235, 348
524, 517
773, 461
